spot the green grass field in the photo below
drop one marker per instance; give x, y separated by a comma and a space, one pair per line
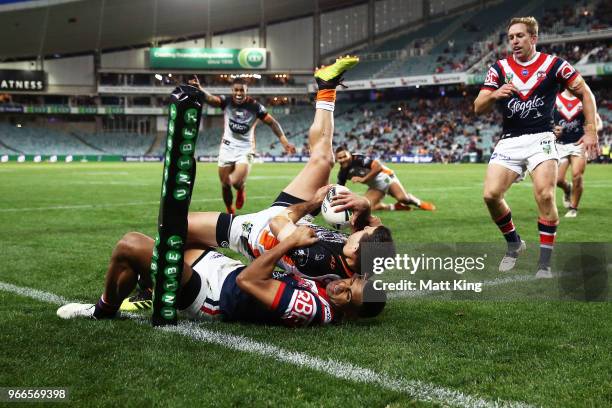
60, 222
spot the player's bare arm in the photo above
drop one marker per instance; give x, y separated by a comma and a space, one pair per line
212, 100
278, 131
256, 279
361, 207
376, 168
283, 224
486, 98
579, 88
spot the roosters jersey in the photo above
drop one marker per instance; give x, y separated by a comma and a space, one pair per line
360, 166
568, 114
239, 119
530, 110
298, 302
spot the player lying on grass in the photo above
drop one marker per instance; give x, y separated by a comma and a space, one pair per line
380, 180
334, 255
214, 286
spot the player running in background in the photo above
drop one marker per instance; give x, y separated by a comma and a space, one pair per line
240, 114
380, 180
524, 86
569, 128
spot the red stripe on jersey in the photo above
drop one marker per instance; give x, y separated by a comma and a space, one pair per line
531, 68
278, 295
488, 88
566, 103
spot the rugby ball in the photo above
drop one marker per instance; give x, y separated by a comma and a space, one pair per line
335, 219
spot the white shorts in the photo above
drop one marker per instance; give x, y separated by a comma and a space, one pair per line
213, 268
382, 181
570, 149
250, 234
525, 152
231, 152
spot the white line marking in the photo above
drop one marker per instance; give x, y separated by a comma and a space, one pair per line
89, 206
494, 282
344, 371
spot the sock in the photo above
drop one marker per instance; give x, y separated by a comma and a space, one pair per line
506, 226
326, 99
105, 310
548, 231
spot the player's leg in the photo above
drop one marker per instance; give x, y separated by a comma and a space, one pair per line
497, 181
578, 168
375, 197
316, 172
544, 180
238, 181
562, 182
225, 172
130, 259
397, 191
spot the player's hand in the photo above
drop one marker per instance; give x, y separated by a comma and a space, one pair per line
347, 200
303, 236
505, 91
195, 82
319, 196
590, 143
557, 130
357, 179
290, 148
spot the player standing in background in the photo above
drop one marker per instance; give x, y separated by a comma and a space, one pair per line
524, 86
240, 115
569, 128
380, 179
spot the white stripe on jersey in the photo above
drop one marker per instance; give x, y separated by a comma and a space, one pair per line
525, 87
569, 113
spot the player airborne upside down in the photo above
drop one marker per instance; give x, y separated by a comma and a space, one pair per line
524, 87
241, 113
215, 286
380, 179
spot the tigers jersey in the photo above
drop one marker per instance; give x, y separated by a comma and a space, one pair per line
359, 167
324, 260
530, 110
568, 114
298, 302
239, 119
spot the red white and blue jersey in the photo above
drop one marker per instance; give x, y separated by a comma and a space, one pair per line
298, 302
538, 81
568, 114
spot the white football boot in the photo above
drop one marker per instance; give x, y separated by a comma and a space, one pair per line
544, 272
76, 310
509, 260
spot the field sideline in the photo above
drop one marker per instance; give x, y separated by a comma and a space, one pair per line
60, 222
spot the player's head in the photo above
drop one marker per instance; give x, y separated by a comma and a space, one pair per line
239, 90
355, 242
356, 297
343, 156
522, 37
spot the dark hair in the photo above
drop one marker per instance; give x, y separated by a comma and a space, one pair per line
341, 148
239, 81
374, 301
380, 235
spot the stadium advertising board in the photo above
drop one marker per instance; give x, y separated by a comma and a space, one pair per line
208, 58
22, 80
